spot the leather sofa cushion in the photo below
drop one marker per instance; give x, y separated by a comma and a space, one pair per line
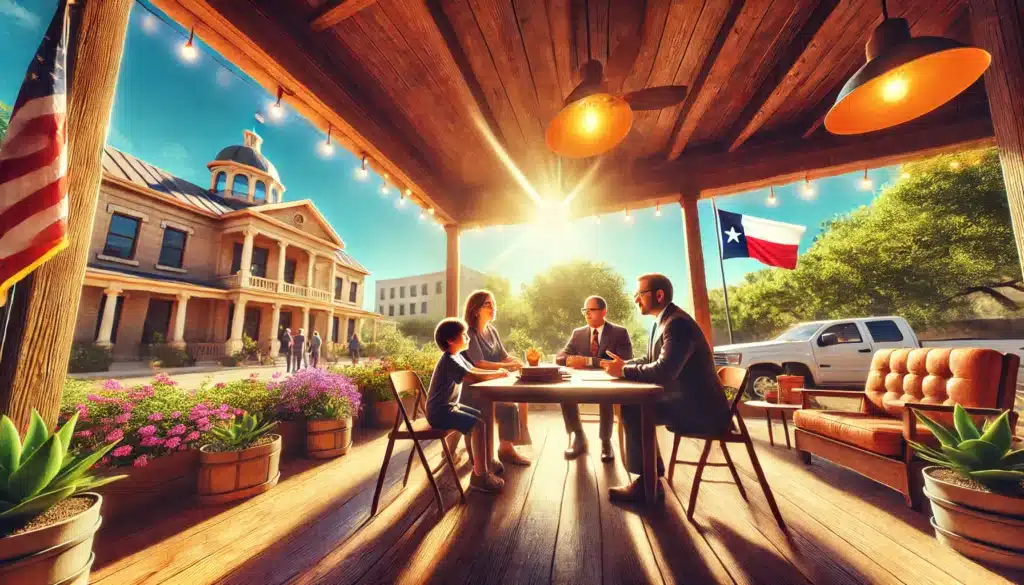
878, 434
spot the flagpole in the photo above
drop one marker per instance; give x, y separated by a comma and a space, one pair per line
721, 267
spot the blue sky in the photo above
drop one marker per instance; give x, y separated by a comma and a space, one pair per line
178, 116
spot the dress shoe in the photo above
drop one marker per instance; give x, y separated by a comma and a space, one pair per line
497, 468
633, 492
607, 454
512, 456
577, 446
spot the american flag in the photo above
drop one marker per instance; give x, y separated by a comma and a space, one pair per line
33, 161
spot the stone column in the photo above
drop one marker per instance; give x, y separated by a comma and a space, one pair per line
310, 266
330, 327
333, 284
695, 263
178, 333
275, 342
245, 266
107, 319
38, 345
451, 294
282, 248
305, 321
237, 323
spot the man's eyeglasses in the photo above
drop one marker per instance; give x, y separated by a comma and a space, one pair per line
587, 311
638, 293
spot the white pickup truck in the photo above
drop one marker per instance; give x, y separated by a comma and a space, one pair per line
837, 353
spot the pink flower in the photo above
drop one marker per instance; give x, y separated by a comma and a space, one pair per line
112, 385
83, 434
123, 418
176, 414
178, 429
156, 416
172, 443
152, 441
140, 461
147, 431
182, 447
122, 451
239, 412
105, 461
191, 436
225, 415
219, 385
115, 435
276, 375
205, 427
224, 407
203, 421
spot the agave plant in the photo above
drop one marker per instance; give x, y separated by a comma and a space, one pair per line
240, 432
38, 472
982, 455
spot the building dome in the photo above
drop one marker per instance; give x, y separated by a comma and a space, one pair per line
247, 155
241, 171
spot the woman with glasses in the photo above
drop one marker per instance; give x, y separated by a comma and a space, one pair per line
487, 352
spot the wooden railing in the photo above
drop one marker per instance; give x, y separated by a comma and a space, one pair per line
205, 351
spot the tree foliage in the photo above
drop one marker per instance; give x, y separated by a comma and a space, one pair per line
921, 243
5, 118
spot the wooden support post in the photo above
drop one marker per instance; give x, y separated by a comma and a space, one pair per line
451, 293
695, 264
996, 27
37, 380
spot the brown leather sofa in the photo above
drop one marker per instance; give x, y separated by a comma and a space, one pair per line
873, 440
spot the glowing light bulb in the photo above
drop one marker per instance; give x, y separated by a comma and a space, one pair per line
423, 215
276, 110
865, 183
188, 50
401, 200
430, 210
772, 201
362, 173
657, 210
383, 189
905, 175
590, 121
954, 165
808, 189
629, 218
895, 88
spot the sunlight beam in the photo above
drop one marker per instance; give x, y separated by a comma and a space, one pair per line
506, 159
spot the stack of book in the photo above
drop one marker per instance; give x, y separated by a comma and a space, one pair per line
543, 374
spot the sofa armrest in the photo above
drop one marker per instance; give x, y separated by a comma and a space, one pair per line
910, 421
807, 393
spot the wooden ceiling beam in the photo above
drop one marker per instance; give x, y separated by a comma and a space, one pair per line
680, 136
336, 11
788, 66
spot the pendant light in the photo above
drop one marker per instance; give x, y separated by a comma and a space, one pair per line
904, 78
589, 126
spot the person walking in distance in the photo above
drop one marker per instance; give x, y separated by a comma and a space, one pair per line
314, 349
298, 349
286, 348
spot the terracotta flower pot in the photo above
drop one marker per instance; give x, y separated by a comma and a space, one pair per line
233, 475
786, 386
56, 554
328, 438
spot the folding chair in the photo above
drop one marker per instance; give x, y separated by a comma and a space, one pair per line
732, 377
415, 430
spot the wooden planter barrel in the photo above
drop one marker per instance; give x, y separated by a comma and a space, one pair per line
233, 475
328, 438
164, 479
59, 554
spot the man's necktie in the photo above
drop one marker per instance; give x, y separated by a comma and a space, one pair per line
593, 343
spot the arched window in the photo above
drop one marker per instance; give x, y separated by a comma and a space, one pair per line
260, 192
221, 184
240, 186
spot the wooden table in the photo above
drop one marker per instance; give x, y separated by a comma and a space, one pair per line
770, 407
588, 387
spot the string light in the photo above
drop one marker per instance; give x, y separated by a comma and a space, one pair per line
423, 215
954, 165
188, 50
905, 175
657, 210
277, 109
865, 183
401, 198
808, 189
326, 148
384, 189
629, 218
772, 201
362, 173
430, 210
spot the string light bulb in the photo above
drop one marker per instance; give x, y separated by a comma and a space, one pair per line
905, 175
401, 198
808, 189
362, 173
954, 165
326, 148
188, 50
384, 189
430, 210
423, 215
772, 201
657, 210
277, 109
629, 218
865, 183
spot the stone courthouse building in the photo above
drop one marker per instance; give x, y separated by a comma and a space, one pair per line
170, 260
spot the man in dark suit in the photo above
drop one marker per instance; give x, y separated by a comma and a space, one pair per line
680, 359
286, 348
585, 348
298, 349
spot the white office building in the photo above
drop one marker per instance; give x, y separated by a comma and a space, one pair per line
423, 296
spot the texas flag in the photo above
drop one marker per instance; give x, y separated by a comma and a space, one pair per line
772, 242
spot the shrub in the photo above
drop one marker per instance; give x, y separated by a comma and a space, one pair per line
170, 356
319, 395
232, 360
89, 357
250, 349
371, 378
518, 342
251, 395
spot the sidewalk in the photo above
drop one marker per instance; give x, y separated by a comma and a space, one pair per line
132, 373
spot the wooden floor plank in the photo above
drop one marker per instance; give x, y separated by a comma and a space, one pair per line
578, 555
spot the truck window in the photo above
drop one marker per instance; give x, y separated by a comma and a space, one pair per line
884, 331
846, 332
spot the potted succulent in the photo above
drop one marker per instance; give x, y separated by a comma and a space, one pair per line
48, 516
242, 459
327, 401
976, 488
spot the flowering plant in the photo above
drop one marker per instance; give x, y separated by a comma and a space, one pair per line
319, 395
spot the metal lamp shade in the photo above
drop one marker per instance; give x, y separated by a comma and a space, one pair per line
903, 79
589, 126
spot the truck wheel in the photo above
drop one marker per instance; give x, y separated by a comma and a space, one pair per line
800, 370
757, 377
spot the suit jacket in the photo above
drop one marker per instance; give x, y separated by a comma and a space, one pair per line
614, 339
681, 360
298, 343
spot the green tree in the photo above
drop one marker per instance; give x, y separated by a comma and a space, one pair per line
554, 299
913, 252
421, 330
5, 118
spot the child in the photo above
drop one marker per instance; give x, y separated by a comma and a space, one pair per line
443, 408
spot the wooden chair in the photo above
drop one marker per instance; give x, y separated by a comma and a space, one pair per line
732, 377
416, 430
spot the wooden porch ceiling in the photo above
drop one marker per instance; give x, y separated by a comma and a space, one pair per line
428, 88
